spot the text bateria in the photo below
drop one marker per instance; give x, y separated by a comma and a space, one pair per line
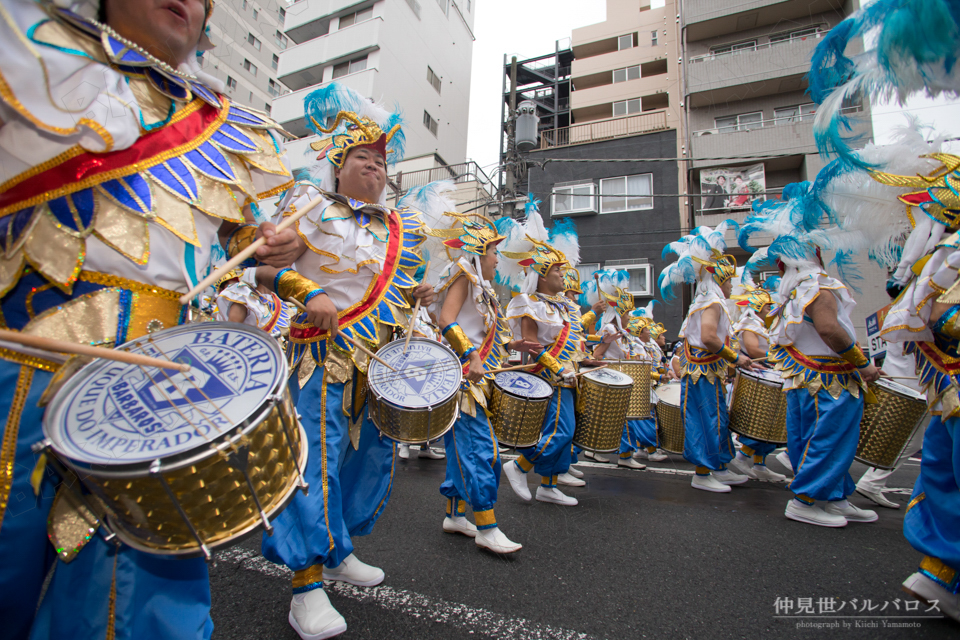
113, 413
425, 375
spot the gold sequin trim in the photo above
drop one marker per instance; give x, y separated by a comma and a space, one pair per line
112, 608
308, 576
8, 449
131, 285
275, 191
29, 361
938, 569
323, 454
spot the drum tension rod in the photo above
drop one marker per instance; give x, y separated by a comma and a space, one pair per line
304, 485
155, 472
240, 457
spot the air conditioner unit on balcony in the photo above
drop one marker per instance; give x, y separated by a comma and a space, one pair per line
707, 132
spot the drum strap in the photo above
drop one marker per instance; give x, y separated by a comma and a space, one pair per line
557, 347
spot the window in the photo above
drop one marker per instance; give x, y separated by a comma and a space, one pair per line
231, 82
629, 73
433, 79
355, 18
653, 38
798, 34
430, 123
790, 115
280, 39
266, 107
275, 62
575, 198
742, 122
444, 6
748, 45
273, 88
351, 66
415, 7
629, 193
256, 14
586, 274
626, 42
249, 66
641, 275
244, 4
626, 107
283, 14
253, 41
469, 4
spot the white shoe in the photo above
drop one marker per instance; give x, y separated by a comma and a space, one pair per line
313, 617
743, 465
630, 463
656, 456
459, 524
554, 496
927, 591
576, 473
494, 540
851, 512
404, 452
570, 480
812, 514
355, 572
729, 477
430, 454
878, 498
518, 480
709, 483
784, 459
763, 473
596, 457
503, 449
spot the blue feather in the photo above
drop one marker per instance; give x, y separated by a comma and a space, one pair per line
325, 103
846, 269
398, 143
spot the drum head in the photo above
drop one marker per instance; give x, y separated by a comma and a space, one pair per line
111, 413
899, 389
669, 393
427, 374
766, 376
609, 377
523, 385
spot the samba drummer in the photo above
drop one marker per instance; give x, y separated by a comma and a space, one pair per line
241, 299
751, 331
473, 325
824, 370
103, 260
353, 273
706, 355
542, 314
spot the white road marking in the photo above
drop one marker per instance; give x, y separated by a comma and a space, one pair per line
471, 619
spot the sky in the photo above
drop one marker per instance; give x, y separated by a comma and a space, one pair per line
529, 28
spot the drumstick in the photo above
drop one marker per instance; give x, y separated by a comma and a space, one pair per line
514, 368
416, 310
355, 343
62, 346
883, 375
249, 251
603, 366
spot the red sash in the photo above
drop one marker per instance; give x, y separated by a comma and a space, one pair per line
820, 367
557, 347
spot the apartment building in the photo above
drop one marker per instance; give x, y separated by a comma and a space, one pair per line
248, 38
750, 121
415, 54
625, 104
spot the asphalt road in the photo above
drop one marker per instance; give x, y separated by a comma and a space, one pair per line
643, 555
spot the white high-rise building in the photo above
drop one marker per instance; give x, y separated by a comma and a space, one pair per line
415, 54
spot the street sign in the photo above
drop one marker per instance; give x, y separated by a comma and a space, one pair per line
875, 344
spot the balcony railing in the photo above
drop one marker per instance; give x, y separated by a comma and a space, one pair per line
456, 173
604, 130
755, 47
805, 118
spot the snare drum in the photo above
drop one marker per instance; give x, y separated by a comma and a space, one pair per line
639, 407
759, 406
888, 425
184, 463
601, 410
518, 406
420, 401
670, 418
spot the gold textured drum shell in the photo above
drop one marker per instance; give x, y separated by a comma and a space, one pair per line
639, 408
517, 422
601, 412
412, 426
888, 426
670, 432
213, 494
759, 409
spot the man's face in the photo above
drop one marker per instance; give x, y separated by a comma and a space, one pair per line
727, 287
488, 262
721, 181
662, 340
572, 295
764, 311
363, 175
645, 334
552, 283
168, 29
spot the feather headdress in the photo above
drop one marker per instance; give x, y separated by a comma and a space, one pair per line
529, 246
700, 259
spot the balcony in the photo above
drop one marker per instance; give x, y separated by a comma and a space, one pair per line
288, 108
604, 130
309, 19
456, 173
302, 66
765, 69
711, 18
615, 92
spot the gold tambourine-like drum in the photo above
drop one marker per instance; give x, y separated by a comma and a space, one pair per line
518, 406
759, 406
419, 399
670, 433
639, 408
601, 410
888, 426
182, 463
